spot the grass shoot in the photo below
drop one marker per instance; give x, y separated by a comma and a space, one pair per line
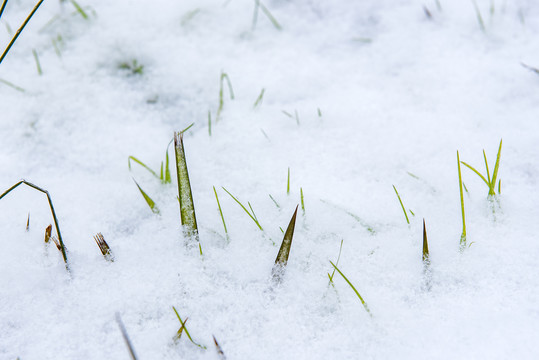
61, 242
224, 76
288, 183
361, 222
302, 201
28, 222
164, 174
48, 231
11, 85
260, 6
148, 199
402, 205
284, 251
21, 28
133, 67
221, 212
251, 215
479, 17
104, 247
185, 196
490, 182
353, 288
463, 235
38, 64
80, 10
184, 328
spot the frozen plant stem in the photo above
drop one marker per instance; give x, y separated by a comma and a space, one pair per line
19, 30
63, 249
187, 207
253, 215
463, 235
402, 205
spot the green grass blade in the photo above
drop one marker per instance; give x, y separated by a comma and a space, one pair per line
259, 99
209, 122
475, 171
495, 172
245, 209
187, 331
11, 85
270, 16
148, 199
126, 337
274, 201
486, 166
302, 200
141, 164
479, 17
288, 183
168, 177
220, 211
402, 205
80, 10
463, 235
500, 186
187, 207
224, 77
220, 352
362, 222
353, 288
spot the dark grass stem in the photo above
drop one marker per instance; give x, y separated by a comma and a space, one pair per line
402, 205
4, 3
63, 248
126, 337
284, 251
219, 350
19, 30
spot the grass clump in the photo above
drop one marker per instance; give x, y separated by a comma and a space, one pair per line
490, 182
164, 175
284, 251
61, 245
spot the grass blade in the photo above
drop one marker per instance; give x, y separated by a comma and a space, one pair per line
284, 251
4, 3
61, 242
302, 201
224, 76
220, 211
274, 201
48, 231
80, 10
426, 259
477, 172
259, 99
28, 222
402, 205
141, 164
463, 235
337, 263
38, 64
245, 209
126, 337
353, 288
148, 199
362, 222
486, 166
185, 329
11, 85
187, 207
495, 172
270, 16
19, 30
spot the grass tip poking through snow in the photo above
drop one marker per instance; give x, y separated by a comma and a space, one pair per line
284, 250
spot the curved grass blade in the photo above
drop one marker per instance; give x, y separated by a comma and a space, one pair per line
426, 259
252, 216
495, 172
284, 251
61, 242
142, 164
402, 205
187, 207
353, 288
185, 329
477, 172
148, 199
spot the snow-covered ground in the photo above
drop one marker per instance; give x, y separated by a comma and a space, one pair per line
375, 89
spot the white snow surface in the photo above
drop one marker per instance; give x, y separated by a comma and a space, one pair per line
398, 93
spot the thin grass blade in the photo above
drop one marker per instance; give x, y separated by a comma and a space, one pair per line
426, 259
463, 235
477, 172
496, 167
187, 331
126, 337
220, 211
402, 205
148, 199
353, 288
141, 164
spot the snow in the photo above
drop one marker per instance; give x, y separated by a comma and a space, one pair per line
398, 93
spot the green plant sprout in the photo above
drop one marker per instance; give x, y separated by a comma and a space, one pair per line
133, 66
284, 251
353, 288
479, 17
491, 182
426, 259
185, 196
11, 85
274, 201
337, 263
251, 215
402, 205
463, 235
259, 99
221, 213
302, 201
209, 122
224, 76
80, 10
259, 5
21, 28
361, 222
288, 183
148, 199
189, 16
184, 328
61, 242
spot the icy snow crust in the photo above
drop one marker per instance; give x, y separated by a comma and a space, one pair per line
398, 92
